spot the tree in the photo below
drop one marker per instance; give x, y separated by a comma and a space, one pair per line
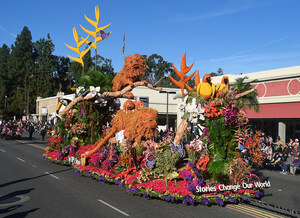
63, 78
157, 70
44, 67
4, 81
20, 65
219, 73
104, 65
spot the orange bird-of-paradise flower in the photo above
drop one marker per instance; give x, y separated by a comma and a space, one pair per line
182, 75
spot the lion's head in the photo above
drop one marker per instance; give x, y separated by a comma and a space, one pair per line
135, 66
137, 124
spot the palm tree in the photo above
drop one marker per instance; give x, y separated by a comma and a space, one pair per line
96, 78
250, 100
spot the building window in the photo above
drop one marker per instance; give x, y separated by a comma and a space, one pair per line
145, 100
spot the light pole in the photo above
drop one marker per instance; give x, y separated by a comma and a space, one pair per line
167, 118
27, 100
5, 102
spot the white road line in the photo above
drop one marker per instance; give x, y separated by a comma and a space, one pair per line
120, 211
52, 175
21, 159
33, 166
2, 150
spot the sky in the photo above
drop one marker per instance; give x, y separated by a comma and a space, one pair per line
239, 36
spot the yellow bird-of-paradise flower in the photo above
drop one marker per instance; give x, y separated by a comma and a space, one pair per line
97, 29
77, 48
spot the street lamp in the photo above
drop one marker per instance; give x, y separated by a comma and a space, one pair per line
5, 102
167, 118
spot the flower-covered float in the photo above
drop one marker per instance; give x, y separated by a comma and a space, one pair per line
207, 170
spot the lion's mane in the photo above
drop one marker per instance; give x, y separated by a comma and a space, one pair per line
134, 67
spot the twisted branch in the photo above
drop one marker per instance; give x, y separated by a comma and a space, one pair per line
118, 94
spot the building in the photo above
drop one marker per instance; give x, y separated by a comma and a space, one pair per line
47, 106
279, 98
151, 98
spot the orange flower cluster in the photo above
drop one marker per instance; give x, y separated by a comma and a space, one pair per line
68, 121
123, 160
255, 149
211, 110
55, 141
128, 172
47, 149
202, 162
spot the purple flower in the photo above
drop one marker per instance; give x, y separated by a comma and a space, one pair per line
205, 133
185, 201
128, 189
163, 197
189, 177
201, 182
117, 182
168, 198
122, 184
261, 194
135, 190
220, 201
204, 200
192, 201
145, 195
230, 116
257, 194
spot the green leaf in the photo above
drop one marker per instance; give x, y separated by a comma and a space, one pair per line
172, 175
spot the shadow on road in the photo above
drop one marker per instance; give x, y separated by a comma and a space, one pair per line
9, 209
6, 199
31, 178
21, 214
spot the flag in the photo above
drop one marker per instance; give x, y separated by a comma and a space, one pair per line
123, 48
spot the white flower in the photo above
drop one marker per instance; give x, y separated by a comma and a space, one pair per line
94, 91
79, 90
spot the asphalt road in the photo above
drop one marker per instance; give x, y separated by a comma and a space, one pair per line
32, 187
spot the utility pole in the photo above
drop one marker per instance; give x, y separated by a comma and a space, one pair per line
167, 118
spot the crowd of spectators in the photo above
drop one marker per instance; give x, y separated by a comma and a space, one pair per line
15, 128
276, 153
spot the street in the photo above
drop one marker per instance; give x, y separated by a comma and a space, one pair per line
33, 187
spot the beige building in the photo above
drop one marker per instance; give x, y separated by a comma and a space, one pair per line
46, 106
151, 98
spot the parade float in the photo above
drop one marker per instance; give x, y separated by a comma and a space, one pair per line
207, 170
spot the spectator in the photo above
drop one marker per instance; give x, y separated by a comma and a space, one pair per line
30, 130
43, 133
296, 154
287, 159
270, 139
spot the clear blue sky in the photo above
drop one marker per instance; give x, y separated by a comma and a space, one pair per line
240, 36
